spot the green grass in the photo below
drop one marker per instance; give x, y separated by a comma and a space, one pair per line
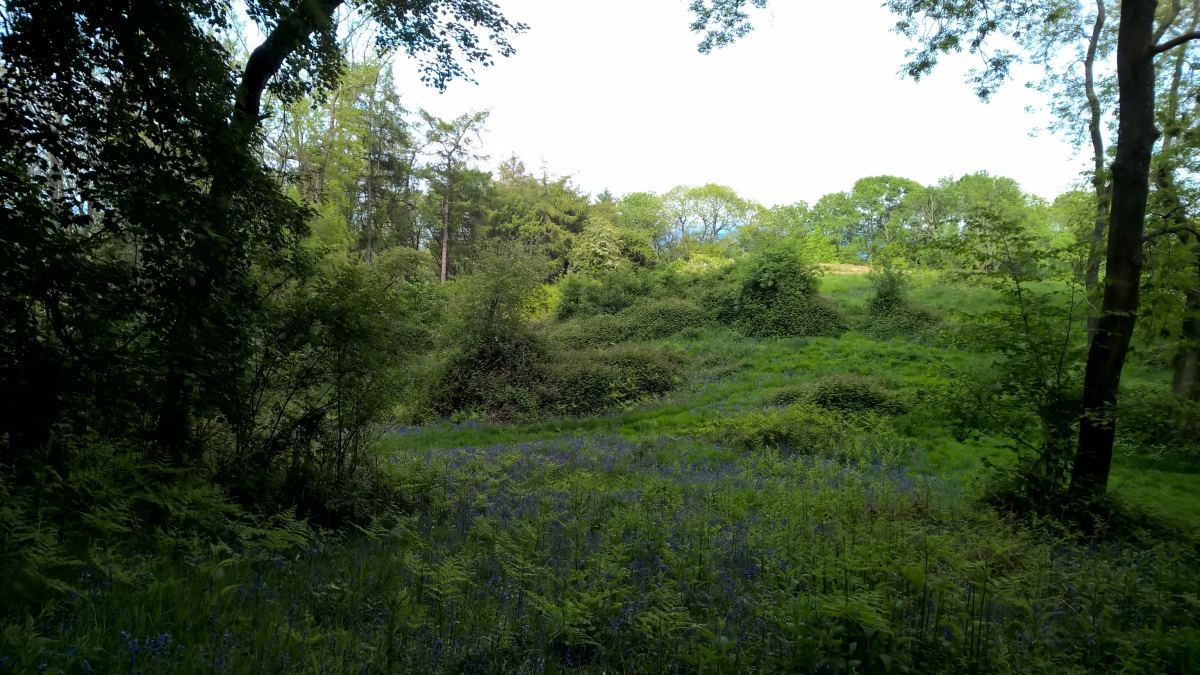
644, 539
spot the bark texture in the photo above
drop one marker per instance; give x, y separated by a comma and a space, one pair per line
266, 59
1136, 135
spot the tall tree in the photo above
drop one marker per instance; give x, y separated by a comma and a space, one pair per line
129, 281
452, 145
1072, 45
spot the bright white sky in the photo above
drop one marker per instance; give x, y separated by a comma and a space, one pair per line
614, 93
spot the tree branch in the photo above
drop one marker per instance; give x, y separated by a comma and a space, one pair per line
1171, 230
1175, 42
266, 59
1176, 7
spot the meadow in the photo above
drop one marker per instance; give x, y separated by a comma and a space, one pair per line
732, 525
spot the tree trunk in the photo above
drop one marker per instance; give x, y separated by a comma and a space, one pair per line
1099, 177
172, 433
1136, 135
445, 232
1187, 361
266, 59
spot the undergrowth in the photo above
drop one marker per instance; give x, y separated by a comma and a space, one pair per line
589, 554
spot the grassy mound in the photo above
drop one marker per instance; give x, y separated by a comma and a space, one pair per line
522, 377
805, 428
649, 320
587, 381
843, 392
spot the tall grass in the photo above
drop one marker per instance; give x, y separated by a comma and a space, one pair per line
593, 554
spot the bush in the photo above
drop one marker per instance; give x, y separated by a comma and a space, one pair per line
602, 330
605, 292
663, 318
794, 316
773, 293
805, 428
650, 320
334, 361
590, 380
496, 364
852, 393
1153, 420
847, 393
788, 395
501, 376
890, 313
519, 377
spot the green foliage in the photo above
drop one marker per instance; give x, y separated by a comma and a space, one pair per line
493, 363
841, 392
835, 426
602, 292
502, 367
648, 320
105, 507
1152, 421
587, 554
503, 376
588, 381
335, 358
631, 542
889, 311
773, 293
1031, 394
853, 393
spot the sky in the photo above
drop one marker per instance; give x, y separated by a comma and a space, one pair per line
614, 93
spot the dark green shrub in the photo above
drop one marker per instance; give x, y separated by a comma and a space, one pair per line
494, 364
773, 293
852, 393
1154, 421
602, 292
794, 315
334, 362
602, 330
890, 313
502, 376
650, 320
658, 319
805, 428
788, 395
586, 381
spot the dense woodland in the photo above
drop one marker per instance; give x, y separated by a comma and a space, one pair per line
294, 381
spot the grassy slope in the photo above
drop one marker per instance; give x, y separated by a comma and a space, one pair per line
734, 374
629, 541
1171, 490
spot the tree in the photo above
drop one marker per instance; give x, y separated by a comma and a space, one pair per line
718, 211
704, 215
942, 27
130, 280
544, 213
1079, 97
301, 53
137, 209
451, 143
880, 224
